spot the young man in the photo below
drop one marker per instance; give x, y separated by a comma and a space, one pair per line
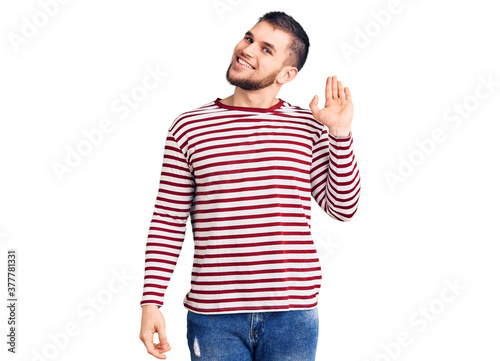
244, 168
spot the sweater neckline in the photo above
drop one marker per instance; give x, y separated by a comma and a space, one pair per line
278, 105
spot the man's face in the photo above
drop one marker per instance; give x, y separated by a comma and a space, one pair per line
262, 52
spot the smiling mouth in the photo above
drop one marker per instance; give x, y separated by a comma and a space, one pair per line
242, 63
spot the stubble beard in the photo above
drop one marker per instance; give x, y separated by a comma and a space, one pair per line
251, 84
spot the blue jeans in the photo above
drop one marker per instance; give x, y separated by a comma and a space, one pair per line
253, 336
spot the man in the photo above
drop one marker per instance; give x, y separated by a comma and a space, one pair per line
245, 167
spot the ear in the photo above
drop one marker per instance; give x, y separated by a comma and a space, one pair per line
288, 73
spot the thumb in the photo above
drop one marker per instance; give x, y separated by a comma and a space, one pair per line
314, 105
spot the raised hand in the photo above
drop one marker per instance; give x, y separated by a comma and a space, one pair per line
338, 111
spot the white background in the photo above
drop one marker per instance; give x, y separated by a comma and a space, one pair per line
74, 233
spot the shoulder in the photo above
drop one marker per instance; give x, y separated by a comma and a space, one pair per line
189, 115
302, 113
188, 120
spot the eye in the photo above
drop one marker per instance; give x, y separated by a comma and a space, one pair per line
250, 40
268, 51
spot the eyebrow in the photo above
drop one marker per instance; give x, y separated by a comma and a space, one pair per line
265, 42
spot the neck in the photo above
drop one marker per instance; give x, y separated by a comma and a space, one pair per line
262, 98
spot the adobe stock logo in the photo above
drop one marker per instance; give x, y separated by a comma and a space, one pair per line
223, 6
85, 313
454, 116
123, 106
327, 246
30, 28
421, 320
363, 37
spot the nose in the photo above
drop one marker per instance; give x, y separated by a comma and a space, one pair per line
249, 50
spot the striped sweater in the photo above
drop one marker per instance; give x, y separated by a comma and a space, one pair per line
246, 176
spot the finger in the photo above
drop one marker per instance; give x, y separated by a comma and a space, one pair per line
341, 90
328, 89
334, 87
162, 337
314, 106
165, 346
148, 342
347, 93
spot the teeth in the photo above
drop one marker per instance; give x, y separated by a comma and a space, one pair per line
246, 65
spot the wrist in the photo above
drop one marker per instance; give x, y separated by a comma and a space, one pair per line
150, 307
340, 132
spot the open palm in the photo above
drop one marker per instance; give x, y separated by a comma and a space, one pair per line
338, 111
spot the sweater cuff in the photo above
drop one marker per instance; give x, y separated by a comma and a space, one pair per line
334, 137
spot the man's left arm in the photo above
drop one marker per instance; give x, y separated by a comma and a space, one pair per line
335, 179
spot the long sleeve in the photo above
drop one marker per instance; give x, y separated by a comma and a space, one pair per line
168, 225
335, 179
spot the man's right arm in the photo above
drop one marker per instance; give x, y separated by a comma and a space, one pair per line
168, 225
